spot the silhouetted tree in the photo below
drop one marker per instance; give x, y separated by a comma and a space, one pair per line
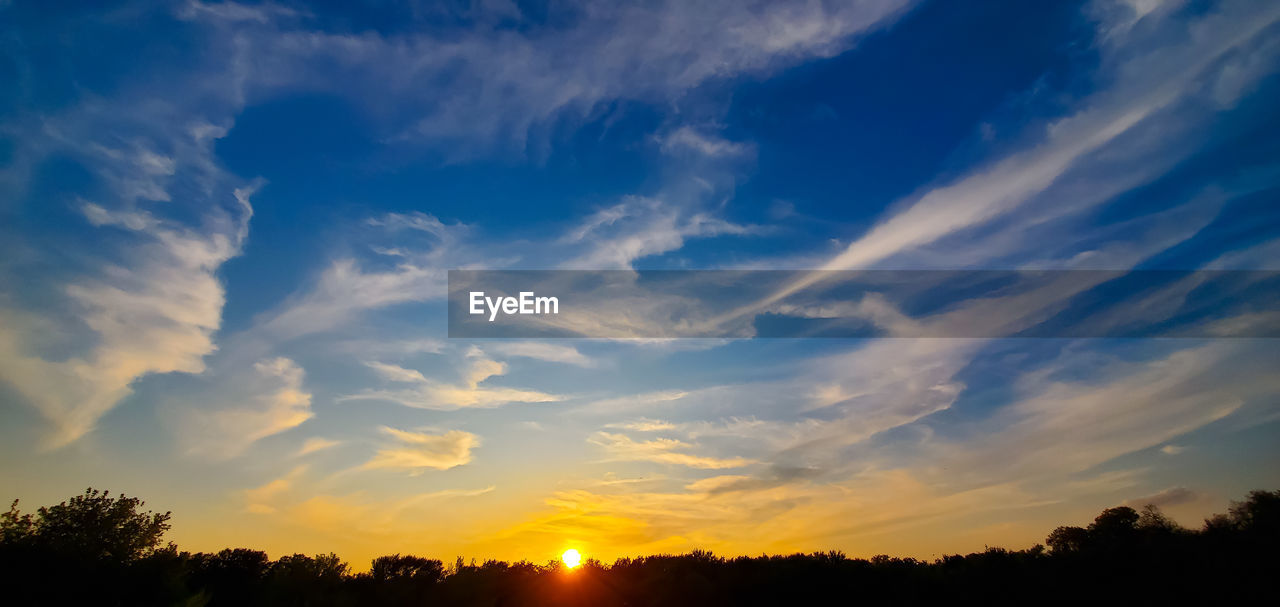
93, 525
1259, 514
92, 546
1065, 540
16, 527
1114, 522
231, 577
1151, 519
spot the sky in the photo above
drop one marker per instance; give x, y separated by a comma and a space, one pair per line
225, 232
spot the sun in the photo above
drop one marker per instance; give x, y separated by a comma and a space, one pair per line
571, 558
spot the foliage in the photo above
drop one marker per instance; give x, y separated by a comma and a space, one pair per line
396, 567
91, 526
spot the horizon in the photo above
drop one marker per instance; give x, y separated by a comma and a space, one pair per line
1245, 517
233, 236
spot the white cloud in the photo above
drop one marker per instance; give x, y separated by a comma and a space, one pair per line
419, 451
347, 288
469, 393
1062, 427
620, 447
316, 444
688, 139
1150, 80
640, 227
268, 401
554, 353
396, 373
392, 347
830, 402
540, 75
146, 298
646, 400
157, 312
643, 425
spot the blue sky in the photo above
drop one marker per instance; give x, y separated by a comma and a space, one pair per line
225, 228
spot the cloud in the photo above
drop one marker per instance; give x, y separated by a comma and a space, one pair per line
417, 220
417, 451
451, 493
139, 293
469, 393
554, 353
396, 373
644, 400
873, 513
686, 139
392, 347
662, 450
382, 520
774, 477
315, 444
156, 313
1022, 188
1059, 427
448, 397
481, 369
643, 425
1173, 496
263, 499
1172, 449
715, 483
640, 227
809, 416
347, 287
269, 400
847, 398
564, 68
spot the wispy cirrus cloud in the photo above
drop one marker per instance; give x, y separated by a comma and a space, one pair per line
1062, 427
688, 139
1023, 189
316, 444
443, 396
566, 67
269, 400
640, 227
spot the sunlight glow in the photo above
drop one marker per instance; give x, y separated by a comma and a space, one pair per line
571, 558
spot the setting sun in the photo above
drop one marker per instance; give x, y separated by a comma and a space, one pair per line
571, 558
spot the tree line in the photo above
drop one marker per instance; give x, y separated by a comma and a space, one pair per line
99, 549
